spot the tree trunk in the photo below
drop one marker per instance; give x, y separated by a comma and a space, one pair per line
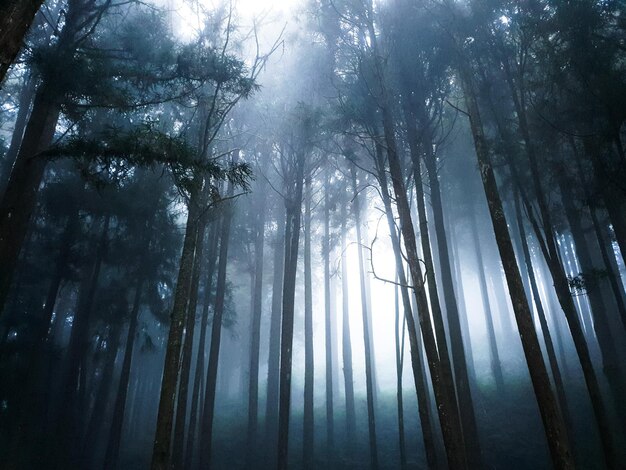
371, 412
199, 375
496, 366
26, 100
419, 376
292, 238
16, 17
348, 374
165, 418
547, 337
328, 336
208, 412
255, 332
104, 386
399, 366
308, 428
553, 423
117, 421
187, 348
19, 198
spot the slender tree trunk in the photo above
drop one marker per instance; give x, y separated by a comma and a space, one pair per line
459, 361
419, 376
216, 334
553, 423
273, 360
19, 198
117, 421
348, 374
328, 336
187, 348
104, 386
554, 365
292, 238
399, 326
68, 425
165, 418
371, 412
255, 332
496, 367
199, 374
308, 428
25, 101
16, 17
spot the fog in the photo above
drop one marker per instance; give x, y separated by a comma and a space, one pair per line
336, 234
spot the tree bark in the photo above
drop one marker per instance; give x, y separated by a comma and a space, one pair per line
16, 17
117, 421
328, 333
308, 427
216, 335
292, 238
161, 458
496, 366
198, 382
371, 412
553, 423
346, 340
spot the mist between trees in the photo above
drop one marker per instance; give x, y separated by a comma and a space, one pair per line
337, 234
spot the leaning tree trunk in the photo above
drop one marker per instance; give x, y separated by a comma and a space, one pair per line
419, 376
547, 337
25, 101
16, 17
371, 412
292, 238
308, 429
496, 366
399, 326
165, 418
553, 423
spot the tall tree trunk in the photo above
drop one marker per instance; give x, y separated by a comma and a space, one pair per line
255, 331
292, 237
419, 376
104, 386
346, 340
19, 198
328, 336
68, 424
117, 421
399, 326
16, 17
25, 101
496, 366
199, 374
371, 412
551, 255
553, 423
459, 361
208, 411
273, 360
187, 348
547, 337
308, 428
165, 418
